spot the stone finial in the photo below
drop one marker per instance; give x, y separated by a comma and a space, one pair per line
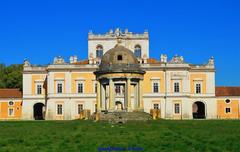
110, 31
118, 32
90, 32
90, 60
211, 61
58, 60
163, 58
144, 58
177, 59
26, 63
126, 31
73, 59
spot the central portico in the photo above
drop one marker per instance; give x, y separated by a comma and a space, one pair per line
119, 81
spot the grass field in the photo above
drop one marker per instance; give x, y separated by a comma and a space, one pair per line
153, 136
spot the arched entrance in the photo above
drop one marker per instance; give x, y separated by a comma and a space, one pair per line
198, 109
38, 111
119, 105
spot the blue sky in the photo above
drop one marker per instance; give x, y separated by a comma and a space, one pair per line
41, 29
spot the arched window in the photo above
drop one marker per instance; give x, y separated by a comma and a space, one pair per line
119, 58
138, 51
99, 51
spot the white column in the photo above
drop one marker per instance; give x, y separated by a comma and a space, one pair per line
140, 94
111, 94
103, 97
98, 96
129, 105
136, 96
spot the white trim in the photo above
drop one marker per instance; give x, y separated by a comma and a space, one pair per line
80, 79
197, 79
59, 79
39, 81
155, 78
176, 78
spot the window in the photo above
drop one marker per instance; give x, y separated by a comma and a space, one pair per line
177, 108
99, 51
155, 106
10, 103
198, 88
138, 51
155, 87
119, 58
227, 101
95, 87
228, 110
118, 89
59, 88
10, 112
39, 89
176, 87
59, 109
80, 108
80, 87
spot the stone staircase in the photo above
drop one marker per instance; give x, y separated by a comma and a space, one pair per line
122, 117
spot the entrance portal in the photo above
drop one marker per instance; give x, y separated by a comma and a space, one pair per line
38, 111
119, 105
198, 109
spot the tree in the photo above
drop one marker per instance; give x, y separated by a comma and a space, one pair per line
11, 76
2, 67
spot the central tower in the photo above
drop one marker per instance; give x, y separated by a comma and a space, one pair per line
99, 44
119, 78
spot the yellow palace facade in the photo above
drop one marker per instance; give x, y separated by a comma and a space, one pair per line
119, 76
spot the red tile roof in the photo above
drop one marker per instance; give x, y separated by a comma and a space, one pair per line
152, 61
83, 62
10, 93
227, 91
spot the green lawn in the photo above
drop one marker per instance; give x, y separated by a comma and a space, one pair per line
153, 136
